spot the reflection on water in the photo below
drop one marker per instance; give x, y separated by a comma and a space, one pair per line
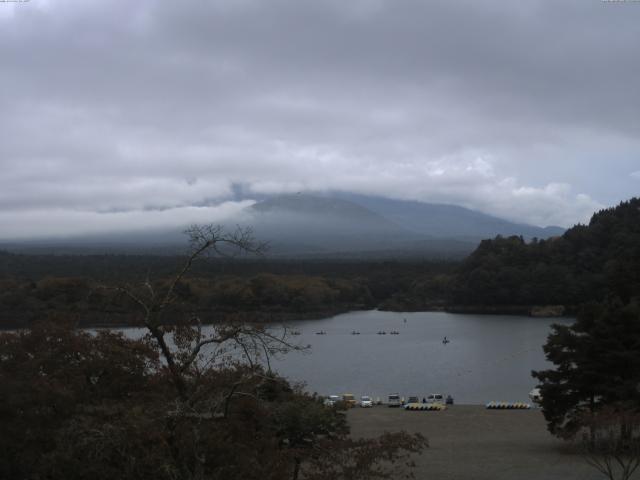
486, 358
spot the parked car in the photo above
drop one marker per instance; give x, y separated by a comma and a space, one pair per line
349, 399
413, 400
435, 398
535, 395
331, 400
394, 400
366, 402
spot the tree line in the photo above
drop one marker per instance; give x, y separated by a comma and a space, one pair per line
269, 290
588, 262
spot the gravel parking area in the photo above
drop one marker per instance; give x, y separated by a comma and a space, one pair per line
471, 442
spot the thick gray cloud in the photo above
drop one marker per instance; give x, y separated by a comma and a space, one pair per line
114, 112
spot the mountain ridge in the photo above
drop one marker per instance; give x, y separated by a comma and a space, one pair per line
439, 214
341, 223
335, 225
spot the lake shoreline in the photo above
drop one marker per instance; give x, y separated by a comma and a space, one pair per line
266, 317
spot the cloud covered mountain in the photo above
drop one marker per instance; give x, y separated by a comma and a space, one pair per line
316, 226
306, 224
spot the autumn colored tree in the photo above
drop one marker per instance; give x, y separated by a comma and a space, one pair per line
75, 405
51, 376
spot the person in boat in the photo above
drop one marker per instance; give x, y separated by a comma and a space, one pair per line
445, 340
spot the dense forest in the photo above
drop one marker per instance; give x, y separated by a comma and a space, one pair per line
589, 262
31, 287
503, 275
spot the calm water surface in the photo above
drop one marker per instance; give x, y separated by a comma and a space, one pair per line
488, 357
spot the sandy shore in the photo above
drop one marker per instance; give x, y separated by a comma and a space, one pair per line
470, 442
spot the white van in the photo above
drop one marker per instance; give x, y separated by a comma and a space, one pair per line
535, 395
435, 398
394, 400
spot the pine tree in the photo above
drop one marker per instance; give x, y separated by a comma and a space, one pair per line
597, 364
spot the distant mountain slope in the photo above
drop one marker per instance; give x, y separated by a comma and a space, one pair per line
448, 221
300, 224
311, 207
336, 225
587, 263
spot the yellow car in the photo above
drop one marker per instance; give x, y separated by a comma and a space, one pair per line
349, 400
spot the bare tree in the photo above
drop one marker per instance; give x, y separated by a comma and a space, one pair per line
187, 348
191, 353
612, 443
223, 386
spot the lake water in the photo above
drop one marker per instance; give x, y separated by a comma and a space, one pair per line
488, 358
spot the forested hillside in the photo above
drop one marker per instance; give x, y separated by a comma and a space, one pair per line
589, 262
33, 287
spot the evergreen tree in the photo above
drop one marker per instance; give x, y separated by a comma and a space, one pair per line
597, 364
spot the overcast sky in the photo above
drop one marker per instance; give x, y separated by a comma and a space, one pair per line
134, 114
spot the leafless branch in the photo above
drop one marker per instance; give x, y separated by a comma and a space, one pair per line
613, 444
189, 339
